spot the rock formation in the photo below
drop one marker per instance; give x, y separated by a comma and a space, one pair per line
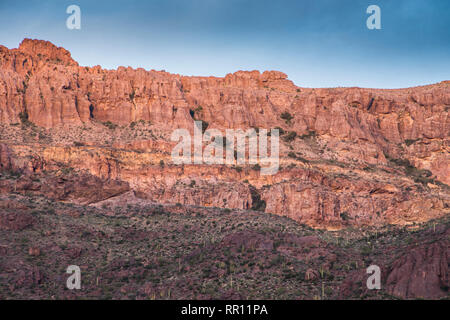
348, 155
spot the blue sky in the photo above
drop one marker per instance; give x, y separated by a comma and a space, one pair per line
318, 43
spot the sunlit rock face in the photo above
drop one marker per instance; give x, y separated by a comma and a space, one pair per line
347, 155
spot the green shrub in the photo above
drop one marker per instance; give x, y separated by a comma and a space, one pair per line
256, 167
281, 130
310, 134
287, 117
418, 175
110, 125
344, 216
410, 142
290, 136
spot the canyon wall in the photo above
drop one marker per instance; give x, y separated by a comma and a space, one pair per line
348, 155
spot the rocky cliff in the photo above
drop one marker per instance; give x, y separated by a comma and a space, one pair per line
348, 155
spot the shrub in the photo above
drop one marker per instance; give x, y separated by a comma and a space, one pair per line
410, 142
286, 116
256, 167
281, 130
344, 216
290, 136
418, 175
110, 125
310, 134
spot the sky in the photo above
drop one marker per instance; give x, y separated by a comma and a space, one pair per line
317, 43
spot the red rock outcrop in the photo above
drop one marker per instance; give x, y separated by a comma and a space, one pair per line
422, 271
82, 188
419, 271
348, 155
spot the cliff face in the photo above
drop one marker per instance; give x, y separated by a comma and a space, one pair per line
348, 155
